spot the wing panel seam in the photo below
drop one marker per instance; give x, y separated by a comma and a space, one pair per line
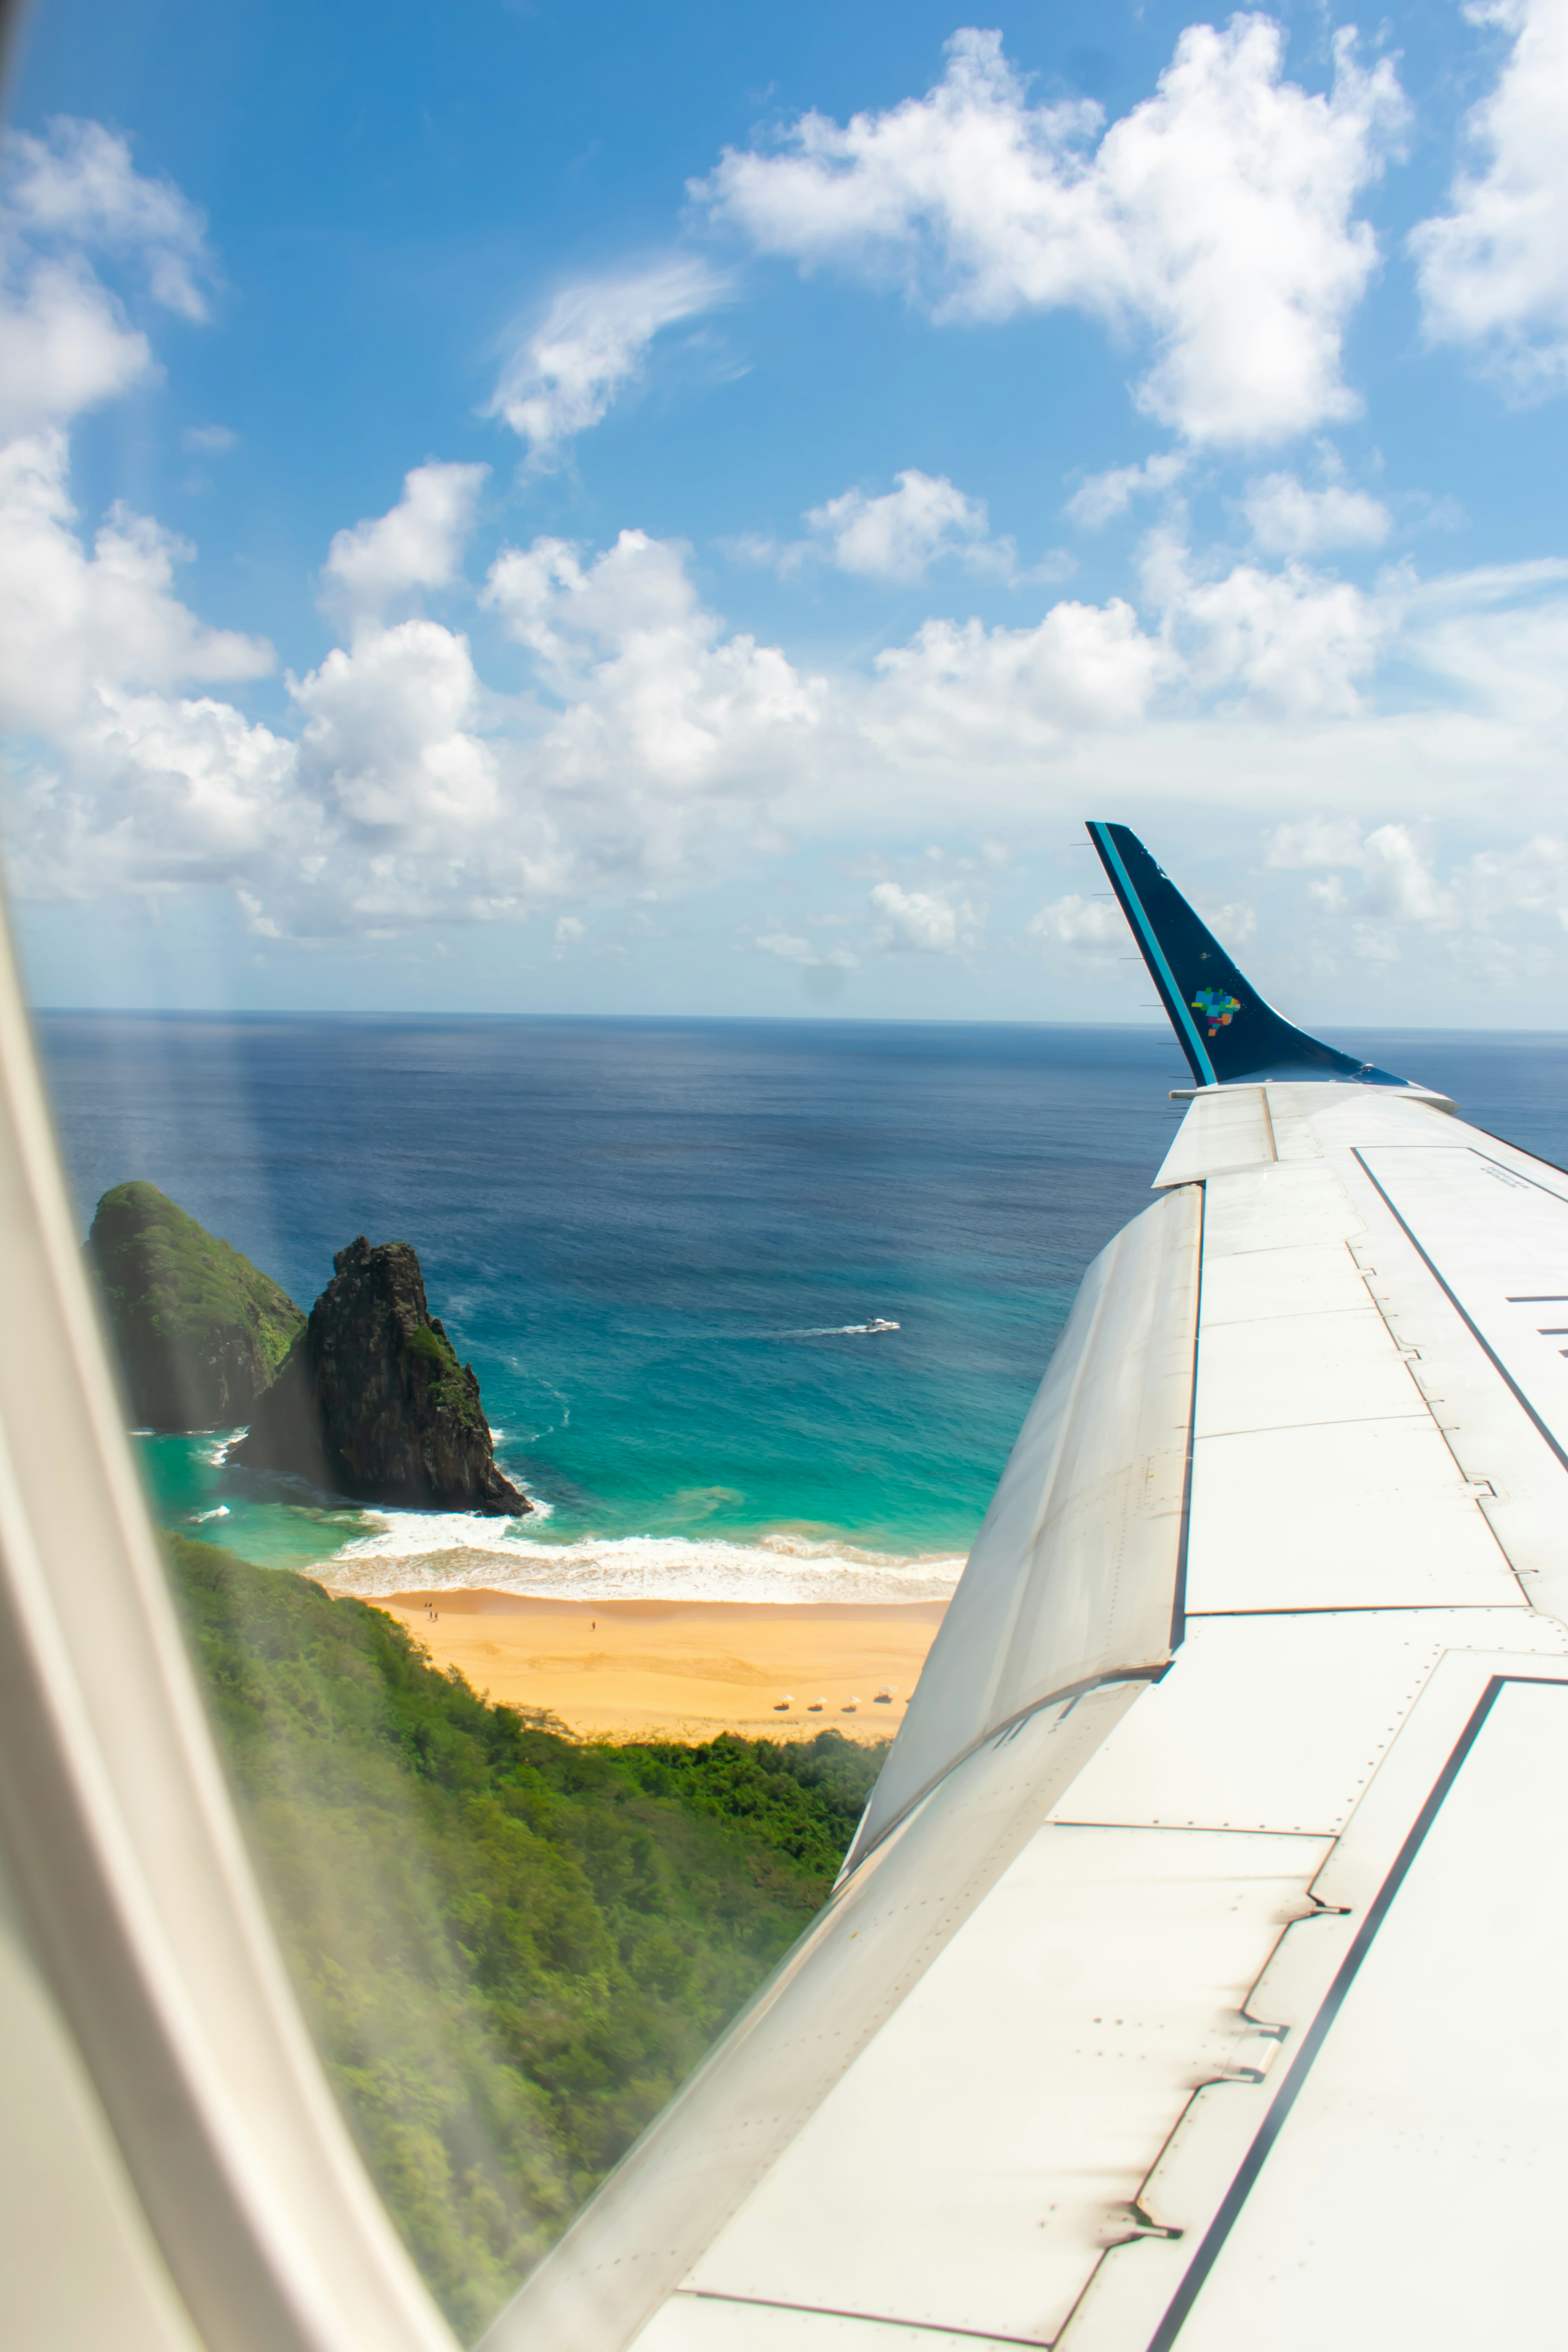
1473, 1328
867, 2319
1179, 2308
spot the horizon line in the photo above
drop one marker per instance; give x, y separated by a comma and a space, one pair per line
731, 1020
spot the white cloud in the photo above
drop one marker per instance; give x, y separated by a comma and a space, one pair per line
1399, 885
1101, 497
1314, 841
1399, 880
1288, 519
1095, 926
653, 692
655, 747
1218, 215
900, 535
790, 949
1479, 916
209, 440
78, 183
418, 545
1494, 269
923, 923
66, 344
1497, 885
956, 686
561, 378
388, 744
568, 931
71, 618
1297, 642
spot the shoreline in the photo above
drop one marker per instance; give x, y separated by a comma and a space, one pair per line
780, 1570
674, 1669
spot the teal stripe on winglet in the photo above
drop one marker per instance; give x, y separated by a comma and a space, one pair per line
1114, 856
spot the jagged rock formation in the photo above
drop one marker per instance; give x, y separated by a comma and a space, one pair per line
200, 1332
372, 1400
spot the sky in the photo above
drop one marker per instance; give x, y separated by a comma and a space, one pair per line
513, 506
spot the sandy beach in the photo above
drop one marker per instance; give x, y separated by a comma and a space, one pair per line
680, 1669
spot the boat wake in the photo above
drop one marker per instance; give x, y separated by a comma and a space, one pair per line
842, 1330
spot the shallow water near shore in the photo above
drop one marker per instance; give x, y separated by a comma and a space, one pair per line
662, 1244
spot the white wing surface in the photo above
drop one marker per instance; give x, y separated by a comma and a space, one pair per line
1194, 1977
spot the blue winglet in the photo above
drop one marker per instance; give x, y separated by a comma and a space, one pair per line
1224, 1027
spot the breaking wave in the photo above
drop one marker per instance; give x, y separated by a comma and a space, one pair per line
446, 1551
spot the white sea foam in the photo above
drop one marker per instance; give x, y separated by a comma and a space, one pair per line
446, 1551
221, 1513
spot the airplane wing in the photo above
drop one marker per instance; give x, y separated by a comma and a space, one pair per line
1193, 1980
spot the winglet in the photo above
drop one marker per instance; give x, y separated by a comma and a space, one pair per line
1224, 1027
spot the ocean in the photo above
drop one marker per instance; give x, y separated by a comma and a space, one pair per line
661, 1243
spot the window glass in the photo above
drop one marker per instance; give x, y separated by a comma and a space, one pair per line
568, 577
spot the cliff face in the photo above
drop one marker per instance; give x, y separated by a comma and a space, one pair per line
372, 1400
200, 1330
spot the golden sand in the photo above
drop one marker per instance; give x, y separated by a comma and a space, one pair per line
682, 1669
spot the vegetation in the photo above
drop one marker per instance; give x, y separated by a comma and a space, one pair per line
452, 1391
200, 1330
512, 1946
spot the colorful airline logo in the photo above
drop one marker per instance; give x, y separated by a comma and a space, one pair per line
1216, 1007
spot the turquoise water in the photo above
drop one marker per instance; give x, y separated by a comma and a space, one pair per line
655, 1240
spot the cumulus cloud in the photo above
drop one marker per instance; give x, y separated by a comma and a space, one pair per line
1494, 267
401, 796
900, 535
66, 343
791, 949
923, 923
64, 346
1101, 497
1497, 885
418, 545
73, 619
1218, 215
1288, 519
653, 693
1082, 667
561, 375
1399, 888
1092, 926
656, 746
1294, 641
388, 745
1313, 841
660, 749
78, 184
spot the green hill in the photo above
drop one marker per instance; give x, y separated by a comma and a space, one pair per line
200, 1332
511, 1946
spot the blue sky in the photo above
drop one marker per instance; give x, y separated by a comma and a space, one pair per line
603, 510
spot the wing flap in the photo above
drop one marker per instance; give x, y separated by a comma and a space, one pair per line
1229, 1128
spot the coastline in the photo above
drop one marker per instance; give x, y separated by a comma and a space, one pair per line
657, 1668
427, 1552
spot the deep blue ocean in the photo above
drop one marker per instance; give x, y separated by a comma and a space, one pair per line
656, 1240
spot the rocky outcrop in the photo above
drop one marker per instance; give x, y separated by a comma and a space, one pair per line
199, 1330
371, 1402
